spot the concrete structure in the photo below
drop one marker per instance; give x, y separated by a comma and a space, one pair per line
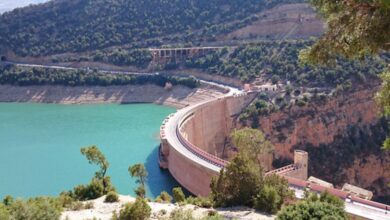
191, 146
320, 182
165, 54
357, 191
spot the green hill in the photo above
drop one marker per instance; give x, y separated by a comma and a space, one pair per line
79, 25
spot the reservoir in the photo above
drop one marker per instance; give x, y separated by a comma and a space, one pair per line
40, 146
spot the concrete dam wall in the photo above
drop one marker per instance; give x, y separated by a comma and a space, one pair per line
201, 133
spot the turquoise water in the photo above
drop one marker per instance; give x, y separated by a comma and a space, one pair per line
40, 146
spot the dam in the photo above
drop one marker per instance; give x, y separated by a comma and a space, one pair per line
193, 149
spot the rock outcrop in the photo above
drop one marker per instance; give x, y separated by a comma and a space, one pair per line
343, 136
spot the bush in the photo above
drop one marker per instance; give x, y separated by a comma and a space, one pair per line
311, 210
164, 197
111, 197
268, 200
178, 194
140, 210
200, 201
41, 208
181, 214
93, 190
4, 213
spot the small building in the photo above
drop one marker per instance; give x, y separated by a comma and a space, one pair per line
320, 182
357, 191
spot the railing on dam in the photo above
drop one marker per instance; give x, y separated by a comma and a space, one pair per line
201, 153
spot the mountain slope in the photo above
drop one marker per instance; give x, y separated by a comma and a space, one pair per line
78, 25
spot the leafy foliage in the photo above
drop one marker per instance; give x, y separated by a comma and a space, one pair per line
178, 194
139, 210
355, 28
164, 197
43, 208
111, 197
383, 99
139, 171
242, 181
279, 61
95, 156
79, 25
324, 206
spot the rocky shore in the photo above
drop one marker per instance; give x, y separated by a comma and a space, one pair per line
177, 96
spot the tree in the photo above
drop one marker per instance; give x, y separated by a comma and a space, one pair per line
315, 206
238, 183
251, 142
139, 171
268, 199
307, 210
4, 213
178, 194
139, 210
355, 28
164, 197
37, 208
95, 156
383, 98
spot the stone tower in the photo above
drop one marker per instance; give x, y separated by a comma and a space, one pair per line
301, 159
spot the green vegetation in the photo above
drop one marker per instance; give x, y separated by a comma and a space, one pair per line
279, 60
120, 57
139, 171
139, 210
324, 206
178, 194
80, 25
95, 156
355, 29
383, 99
42, 208
187, 214
100, 184
164, 197
23, 76
242, 181
111, 197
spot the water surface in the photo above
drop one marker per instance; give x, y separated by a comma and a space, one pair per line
40, 146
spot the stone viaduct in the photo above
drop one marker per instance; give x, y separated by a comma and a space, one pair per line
165, 54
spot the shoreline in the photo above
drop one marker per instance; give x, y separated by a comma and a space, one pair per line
177, 96
104, 211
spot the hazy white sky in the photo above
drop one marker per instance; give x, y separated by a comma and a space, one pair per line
7, 5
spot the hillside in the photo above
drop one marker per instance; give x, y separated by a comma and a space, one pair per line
79, 25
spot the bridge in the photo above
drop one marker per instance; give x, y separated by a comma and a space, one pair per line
192, 165
179, 53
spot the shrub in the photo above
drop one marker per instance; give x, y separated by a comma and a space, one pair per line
76, 206
4, 213
178, 194
164, 197
139, 210
111, 197
181, 214
41, 208
200, 201
268, 200
311, 210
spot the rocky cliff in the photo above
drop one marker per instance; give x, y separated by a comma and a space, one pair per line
343, 136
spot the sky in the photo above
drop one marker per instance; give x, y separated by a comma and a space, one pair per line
7, 5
